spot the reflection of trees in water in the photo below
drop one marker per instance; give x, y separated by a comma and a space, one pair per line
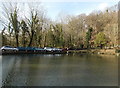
9, 73
22, 68
0, 71
41, 67
31, 64
14, 70
35, 70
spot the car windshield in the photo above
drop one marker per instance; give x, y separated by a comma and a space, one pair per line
7, 47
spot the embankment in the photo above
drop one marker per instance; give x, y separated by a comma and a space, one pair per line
98, 51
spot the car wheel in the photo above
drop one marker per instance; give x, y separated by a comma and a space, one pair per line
3, 50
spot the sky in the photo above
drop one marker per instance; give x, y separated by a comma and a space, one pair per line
69, 7
74, 8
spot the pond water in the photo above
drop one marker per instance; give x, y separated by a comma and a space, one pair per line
60, 70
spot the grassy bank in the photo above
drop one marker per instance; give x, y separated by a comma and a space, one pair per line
97, 51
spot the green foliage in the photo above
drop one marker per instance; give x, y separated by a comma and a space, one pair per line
88, 37
24, 31
100, 39
3, 38
55, 36
117, 51
15, 25
40, 31
33, 25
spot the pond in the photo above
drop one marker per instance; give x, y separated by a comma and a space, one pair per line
59, 70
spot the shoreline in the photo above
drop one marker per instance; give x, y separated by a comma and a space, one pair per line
30, 52
87, 51
98, 51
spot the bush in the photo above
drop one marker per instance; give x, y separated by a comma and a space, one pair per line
117, 51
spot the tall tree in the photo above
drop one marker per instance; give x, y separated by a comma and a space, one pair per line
24, 31
3, 38
15, 24
33, 25
88, 37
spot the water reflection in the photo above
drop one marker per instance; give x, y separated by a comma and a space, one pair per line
0, 71
60, 70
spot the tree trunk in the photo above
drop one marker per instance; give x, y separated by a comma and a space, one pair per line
45, 41
31, 39
17, 42
23, 40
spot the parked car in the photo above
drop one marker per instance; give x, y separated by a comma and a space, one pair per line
39, 49
48, 49
8, 48
26, 48
30, 48
21, 48
52, 49
57, 49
